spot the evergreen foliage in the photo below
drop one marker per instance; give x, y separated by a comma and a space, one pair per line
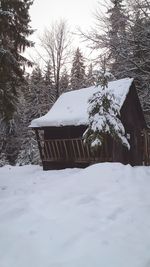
14, 30
48, 76
64, 81
116, 37
28, 149
122, 33
49, 83
90, 77
104, 117
78, 78
140, 53
37, 100
39, 93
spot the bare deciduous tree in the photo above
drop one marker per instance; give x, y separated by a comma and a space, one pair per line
56, 43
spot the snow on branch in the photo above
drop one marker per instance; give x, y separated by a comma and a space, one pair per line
104, 118
6, 13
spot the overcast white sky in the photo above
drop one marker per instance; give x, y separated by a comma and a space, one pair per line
77, 12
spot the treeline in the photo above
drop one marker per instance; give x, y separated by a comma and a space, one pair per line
121, 36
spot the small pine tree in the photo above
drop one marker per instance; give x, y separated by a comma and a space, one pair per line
104, 117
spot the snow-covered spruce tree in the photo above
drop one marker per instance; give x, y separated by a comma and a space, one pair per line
130, 51
29, 108
28, 149
64, 81
14, 30
49, 83
123, 32
38, 98
140, 48
48, 76
109, 36
116, 37
39, 93
104, 117
78, 79
90, 77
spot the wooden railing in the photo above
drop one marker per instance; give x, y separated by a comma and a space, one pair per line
75, 150
71, 150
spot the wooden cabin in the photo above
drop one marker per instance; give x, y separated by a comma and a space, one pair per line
59, 133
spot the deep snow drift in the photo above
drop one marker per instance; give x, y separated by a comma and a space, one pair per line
96, 217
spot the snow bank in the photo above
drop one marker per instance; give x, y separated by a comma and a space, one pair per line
71, 107
99, 216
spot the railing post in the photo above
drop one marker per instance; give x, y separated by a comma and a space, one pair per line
39, 144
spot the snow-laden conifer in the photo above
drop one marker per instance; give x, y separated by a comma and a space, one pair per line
104, 117
78, 79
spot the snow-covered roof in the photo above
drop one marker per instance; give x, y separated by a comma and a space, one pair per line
71, 107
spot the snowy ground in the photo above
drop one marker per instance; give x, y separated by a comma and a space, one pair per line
96, 217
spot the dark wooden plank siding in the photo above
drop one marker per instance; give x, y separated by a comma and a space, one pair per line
131, 112
133, 120
64, 132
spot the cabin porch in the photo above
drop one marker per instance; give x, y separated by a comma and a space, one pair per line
72, 151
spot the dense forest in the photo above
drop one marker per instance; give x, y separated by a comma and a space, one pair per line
121, 35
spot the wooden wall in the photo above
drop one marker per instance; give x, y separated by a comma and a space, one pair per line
133, 120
